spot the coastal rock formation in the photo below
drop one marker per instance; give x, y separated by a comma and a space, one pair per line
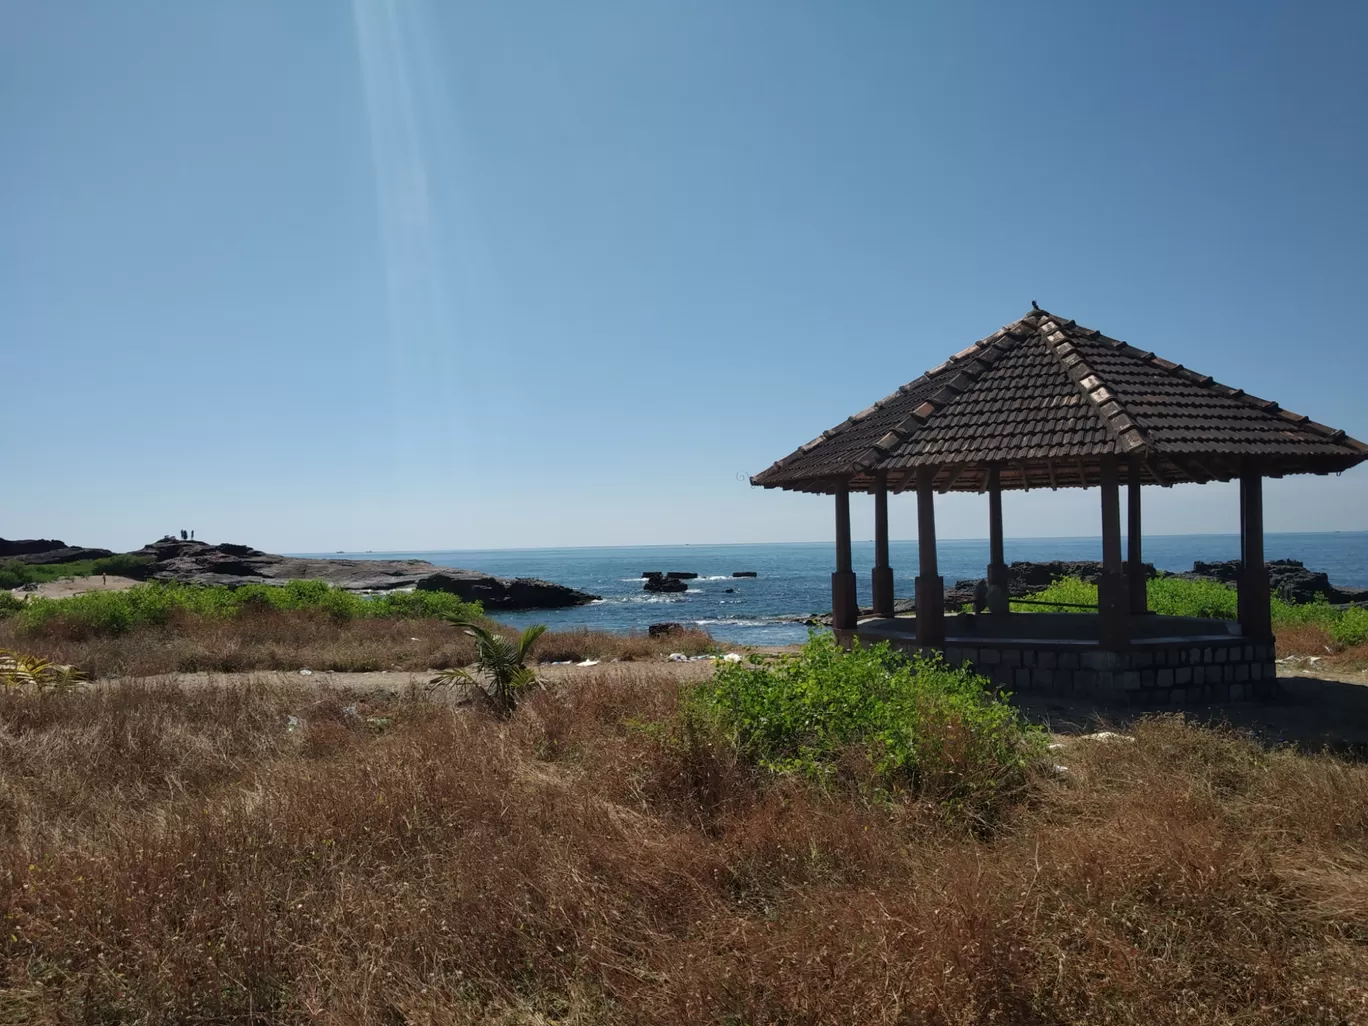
744, 573
497, 593
1024, 578
27, 546
1289, 579
39, 551
66, 554
196, 562
664, 584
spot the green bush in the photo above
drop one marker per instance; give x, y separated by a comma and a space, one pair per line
942, 732
1351, 628
117, 612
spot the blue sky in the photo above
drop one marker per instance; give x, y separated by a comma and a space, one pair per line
407, 274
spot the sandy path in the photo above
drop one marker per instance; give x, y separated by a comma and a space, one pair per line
69, 586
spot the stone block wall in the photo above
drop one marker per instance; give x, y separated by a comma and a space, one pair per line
1169, 672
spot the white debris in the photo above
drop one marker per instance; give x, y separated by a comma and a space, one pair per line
731, 657
677, 657
698, 658
1054, 747
1106, 735
1060, 769
588, 662
350, 712
1313, 659
415, 639
306, 673
293, 723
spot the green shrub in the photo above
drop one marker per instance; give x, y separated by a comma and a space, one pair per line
1067, 590
117, 612
942, 732
1351, 628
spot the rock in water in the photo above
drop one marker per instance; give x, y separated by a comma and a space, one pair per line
664, 584
744, 573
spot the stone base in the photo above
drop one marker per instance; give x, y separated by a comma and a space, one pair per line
1168, 672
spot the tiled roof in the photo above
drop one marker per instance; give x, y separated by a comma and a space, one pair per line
1044, 401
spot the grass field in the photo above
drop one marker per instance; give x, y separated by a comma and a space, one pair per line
625, 850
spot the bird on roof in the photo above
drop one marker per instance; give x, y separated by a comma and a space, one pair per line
1035, 305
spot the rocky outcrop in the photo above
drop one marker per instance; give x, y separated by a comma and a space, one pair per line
66, 554
744, 573
1288, 579
196, 562
1025, 578
498, 593
28, 546
664, 584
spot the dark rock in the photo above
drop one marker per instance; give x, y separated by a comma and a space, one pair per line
66, 554
664, 584
728, 591
196, 562
497, 593
652, 574
744, 573
680, 575
1288, 579
28, 546
665, 630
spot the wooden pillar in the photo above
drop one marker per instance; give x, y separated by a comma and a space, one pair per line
844, 609
1135, 561
883, 573
997, 562
1255, 616
1112, 597
930, 585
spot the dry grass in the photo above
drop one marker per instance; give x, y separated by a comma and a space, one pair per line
171, 855
1312, 639
271, 639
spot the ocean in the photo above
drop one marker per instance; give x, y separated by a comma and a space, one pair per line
795, 579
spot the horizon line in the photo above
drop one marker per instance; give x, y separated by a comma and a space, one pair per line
680, 545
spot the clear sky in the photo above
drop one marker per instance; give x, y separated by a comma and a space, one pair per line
410, 275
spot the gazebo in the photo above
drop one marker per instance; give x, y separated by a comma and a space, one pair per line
1045, 403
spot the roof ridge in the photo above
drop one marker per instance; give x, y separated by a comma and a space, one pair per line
1017, 331
980, 357
1206, 381
1118, 421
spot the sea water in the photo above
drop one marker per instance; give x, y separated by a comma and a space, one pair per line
795, 579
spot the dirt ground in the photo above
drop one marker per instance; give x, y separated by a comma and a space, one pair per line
69, 586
